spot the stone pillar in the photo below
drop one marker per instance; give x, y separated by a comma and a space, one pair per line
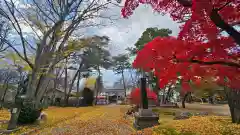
145, 117
144, 98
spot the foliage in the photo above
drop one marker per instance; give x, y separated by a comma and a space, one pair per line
97, 53
167, 69
205, 87
50, 36
200, 48
120, 63
135, 96
149, 34
28, 115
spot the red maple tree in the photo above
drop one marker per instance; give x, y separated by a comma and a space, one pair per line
135, 96
201, 49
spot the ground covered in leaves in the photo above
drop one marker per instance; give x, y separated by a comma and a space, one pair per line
210, 125
195, 125
110, 120
98, 120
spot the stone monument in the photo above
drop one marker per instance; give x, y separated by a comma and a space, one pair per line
145, 117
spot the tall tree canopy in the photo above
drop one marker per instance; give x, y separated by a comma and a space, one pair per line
200, 46
43, 33
97, 54
121, 63
51, 34
148, 35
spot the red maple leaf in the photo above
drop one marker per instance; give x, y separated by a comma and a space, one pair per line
200, 48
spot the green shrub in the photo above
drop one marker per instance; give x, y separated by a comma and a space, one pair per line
28, 115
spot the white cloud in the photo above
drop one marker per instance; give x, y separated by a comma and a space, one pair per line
125, 32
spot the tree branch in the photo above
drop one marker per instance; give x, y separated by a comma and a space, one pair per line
218, 62
19, 31
217, 20
41, 10
185, 3
19, 54
231, 64
223, 6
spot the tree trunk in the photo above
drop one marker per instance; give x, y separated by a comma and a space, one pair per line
98, 84
41, 90
235, 112
156, 89
167, 96
184, 99
73, 80
233, 103
124, 85
4, 94
55, 85
163, 96
65, 85
78, 92
132, 77
14, 118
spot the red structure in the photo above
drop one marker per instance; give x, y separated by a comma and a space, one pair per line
135, 97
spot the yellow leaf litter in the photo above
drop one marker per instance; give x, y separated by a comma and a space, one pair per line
96, 120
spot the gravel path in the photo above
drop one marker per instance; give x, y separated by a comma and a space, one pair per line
106, 120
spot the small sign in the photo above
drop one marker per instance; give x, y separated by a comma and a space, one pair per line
14, 110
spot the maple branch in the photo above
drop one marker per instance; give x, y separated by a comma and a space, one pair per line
218, 62
217, 20
185, 3
231, 64
224, 5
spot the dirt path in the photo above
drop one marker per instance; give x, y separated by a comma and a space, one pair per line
197, 107
105, 120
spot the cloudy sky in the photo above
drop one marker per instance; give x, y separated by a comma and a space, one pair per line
125, 32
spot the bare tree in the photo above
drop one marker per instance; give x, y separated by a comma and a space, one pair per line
52, 23
4, 31
8, 80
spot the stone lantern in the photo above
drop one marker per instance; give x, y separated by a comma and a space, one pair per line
145, 117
